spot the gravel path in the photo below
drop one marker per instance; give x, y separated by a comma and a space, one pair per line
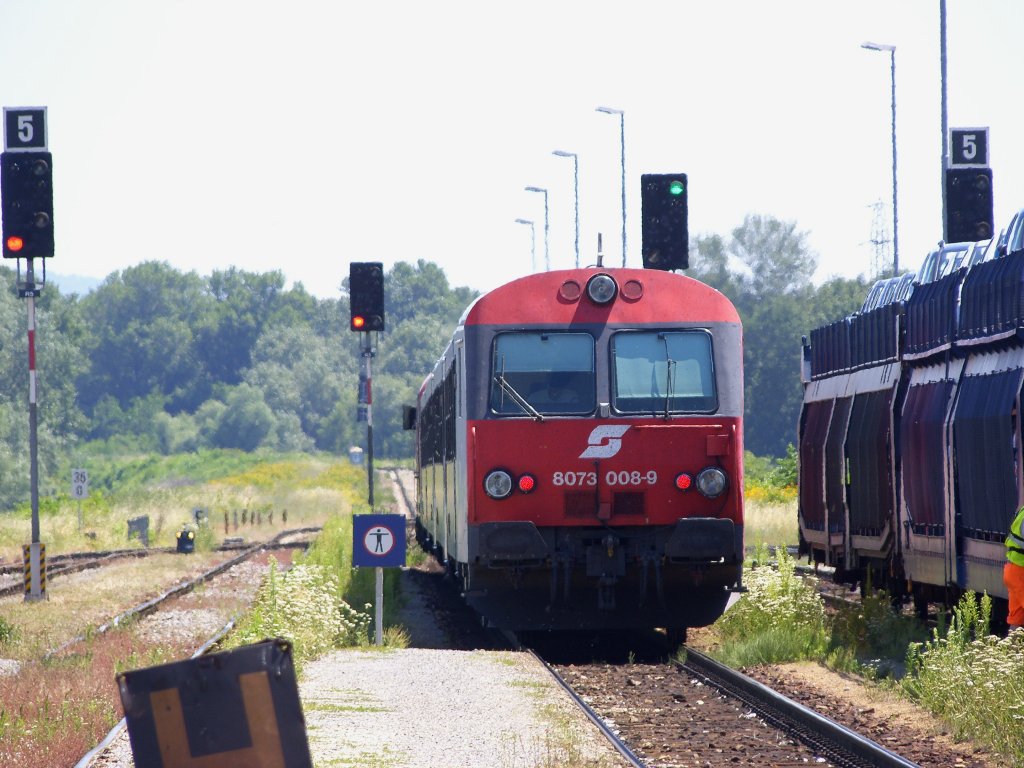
423, 708
427, 705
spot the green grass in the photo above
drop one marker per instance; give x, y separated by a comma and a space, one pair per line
779, 618
166, 489
970, 679
316, 706
769, 522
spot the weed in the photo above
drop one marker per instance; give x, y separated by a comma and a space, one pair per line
780, 607
8, 632
971, 679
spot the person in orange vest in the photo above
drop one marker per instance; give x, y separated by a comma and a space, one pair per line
1013, 572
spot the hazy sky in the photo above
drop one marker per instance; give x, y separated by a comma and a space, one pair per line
304, 135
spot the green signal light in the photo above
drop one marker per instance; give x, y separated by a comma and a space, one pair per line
676, 188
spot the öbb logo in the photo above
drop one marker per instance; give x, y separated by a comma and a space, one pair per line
605, 441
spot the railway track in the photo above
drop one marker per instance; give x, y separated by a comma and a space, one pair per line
11, 576
839, 745
180, 614
699, 712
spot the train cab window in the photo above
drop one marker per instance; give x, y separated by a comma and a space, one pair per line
543, 373
661, 372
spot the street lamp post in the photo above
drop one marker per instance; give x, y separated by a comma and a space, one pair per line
895, 218
533, 244
576, 194
622, 146
547, 255
942, 116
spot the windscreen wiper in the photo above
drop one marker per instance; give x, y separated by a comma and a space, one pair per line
515, 397
670, 369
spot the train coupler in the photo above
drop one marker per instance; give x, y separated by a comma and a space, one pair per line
648, 561
606, 593
563, 560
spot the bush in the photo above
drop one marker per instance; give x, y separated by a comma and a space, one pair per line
780, 617
770, 480
304, 605
867, 635
971, 679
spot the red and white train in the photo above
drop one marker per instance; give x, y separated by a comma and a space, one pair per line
580, 452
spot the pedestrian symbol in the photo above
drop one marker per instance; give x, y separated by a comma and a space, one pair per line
378, 540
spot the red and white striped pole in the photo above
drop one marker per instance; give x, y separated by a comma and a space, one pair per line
36, 579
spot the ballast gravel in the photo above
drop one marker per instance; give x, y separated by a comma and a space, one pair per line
425, 707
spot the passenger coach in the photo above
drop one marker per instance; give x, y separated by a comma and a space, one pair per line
580, 452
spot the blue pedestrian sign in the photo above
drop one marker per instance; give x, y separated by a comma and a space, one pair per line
378, 541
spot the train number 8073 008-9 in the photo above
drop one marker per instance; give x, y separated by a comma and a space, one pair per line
611, 477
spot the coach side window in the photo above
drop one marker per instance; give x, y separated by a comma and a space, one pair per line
546, 373
659, 372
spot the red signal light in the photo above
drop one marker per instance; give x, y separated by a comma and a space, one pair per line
358, 321
683, 481
527, 483
15, 243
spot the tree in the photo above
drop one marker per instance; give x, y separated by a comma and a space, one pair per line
775, 254
420, 291
765, 268
141, 339
303, 374
422, 312
246, 420
243, 305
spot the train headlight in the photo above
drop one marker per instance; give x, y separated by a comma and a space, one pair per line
712, 482
527, 483
683, 481
498, 484
601, 288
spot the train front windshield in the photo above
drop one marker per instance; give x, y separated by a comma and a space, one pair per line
543, 373
663, 372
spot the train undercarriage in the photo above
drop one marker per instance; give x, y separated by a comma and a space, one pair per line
575, 578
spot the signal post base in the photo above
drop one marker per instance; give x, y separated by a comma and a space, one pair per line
35, 571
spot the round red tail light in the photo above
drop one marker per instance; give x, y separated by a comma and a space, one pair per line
527, 483
683, 481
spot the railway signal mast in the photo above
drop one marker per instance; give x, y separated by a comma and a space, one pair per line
366, 304
666, 243
26, 201
968, 188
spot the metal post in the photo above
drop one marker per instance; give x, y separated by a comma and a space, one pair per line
622, 142
379, 610
622, 151
37, 577
367, 356
547, 254
891, 49
576, 195
945, 129
33, 443
533, 244
895, 216
576, 203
